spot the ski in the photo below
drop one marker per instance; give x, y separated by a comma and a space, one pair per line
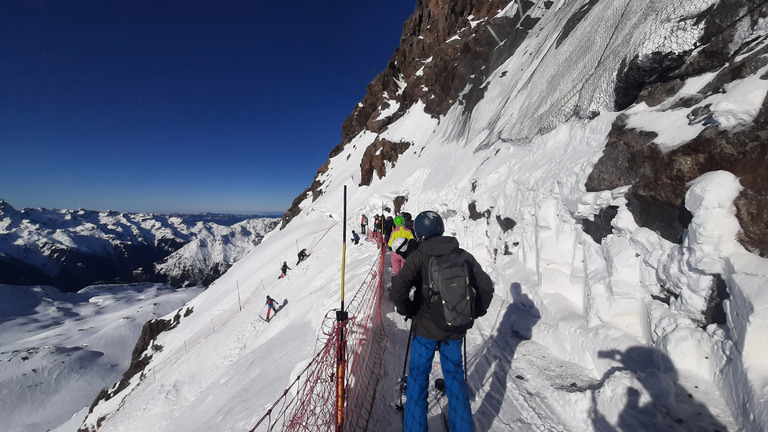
400, 404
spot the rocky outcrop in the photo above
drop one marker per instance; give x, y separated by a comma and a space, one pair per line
140, 357
658, 180
447, 47
377, 155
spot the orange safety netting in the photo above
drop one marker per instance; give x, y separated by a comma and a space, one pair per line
310, 402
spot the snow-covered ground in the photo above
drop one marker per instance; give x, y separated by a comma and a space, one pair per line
579, 336
574, 339
58, 350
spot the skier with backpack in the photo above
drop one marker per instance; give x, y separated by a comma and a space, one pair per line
400, 232
451, 291
302, 256
284, 269
271, 306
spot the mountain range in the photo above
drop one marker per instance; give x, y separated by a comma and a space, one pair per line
71, 249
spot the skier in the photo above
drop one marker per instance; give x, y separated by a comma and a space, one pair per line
302, 256
271, 305
355, 237
284, 269
389, 224
400, 232
429, 323
377, 223
363, 224
408, 220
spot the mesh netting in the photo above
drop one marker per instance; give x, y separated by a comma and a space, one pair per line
310, 402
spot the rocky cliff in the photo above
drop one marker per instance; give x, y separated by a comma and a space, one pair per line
449, 49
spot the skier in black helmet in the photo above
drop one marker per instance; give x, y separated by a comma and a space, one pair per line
431, 328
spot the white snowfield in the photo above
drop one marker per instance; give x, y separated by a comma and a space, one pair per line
580, 336
58, 350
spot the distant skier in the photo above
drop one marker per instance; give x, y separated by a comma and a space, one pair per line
377, 223
302, 256
363, 224
389, 224
284, 269
271, 305
408, 220
355, 237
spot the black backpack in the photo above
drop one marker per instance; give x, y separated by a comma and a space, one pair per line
449, 284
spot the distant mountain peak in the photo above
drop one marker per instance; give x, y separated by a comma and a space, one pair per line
71, 249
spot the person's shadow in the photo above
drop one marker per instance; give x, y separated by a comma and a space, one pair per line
279, 308
515, 327
671, 406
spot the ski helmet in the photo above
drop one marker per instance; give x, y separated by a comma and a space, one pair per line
399, 221
428, 224
399, 245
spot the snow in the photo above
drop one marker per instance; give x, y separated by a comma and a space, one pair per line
736, 107
420, 72
59, 350
579, 336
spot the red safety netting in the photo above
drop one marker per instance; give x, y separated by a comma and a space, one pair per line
310, 403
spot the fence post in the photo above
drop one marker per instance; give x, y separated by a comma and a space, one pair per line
238, 296
341, 316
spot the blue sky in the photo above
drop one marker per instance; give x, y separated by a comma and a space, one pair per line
184, 105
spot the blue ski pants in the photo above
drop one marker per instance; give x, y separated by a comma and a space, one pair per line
417, 386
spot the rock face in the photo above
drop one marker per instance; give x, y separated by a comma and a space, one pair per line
376, 156
71, 249
426, 69
452, 47
659, 179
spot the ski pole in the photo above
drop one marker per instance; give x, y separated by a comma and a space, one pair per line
465, 359
405, 365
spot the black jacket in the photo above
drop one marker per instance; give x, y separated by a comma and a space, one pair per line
415, 274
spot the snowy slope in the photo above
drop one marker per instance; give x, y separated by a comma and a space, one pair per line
60, 349
580, 335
